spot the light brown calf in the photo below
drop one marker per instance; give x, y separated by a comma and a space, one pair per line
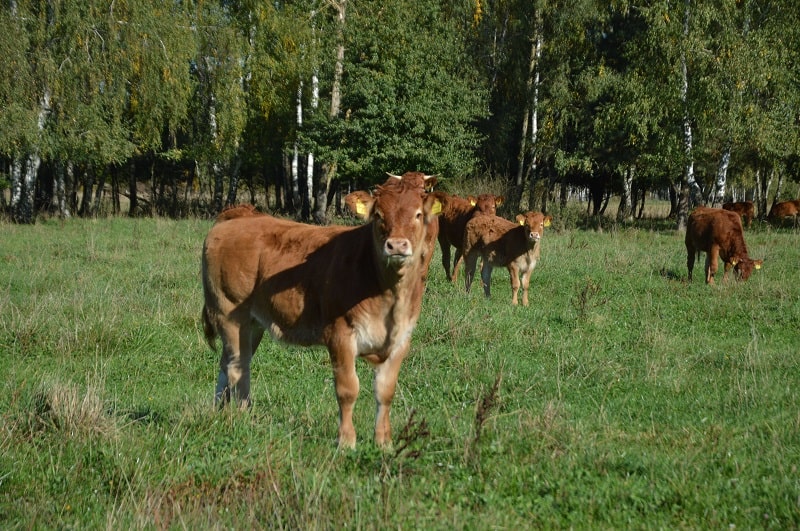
456, 212
355, 290
502, 243
745, 209
718, 233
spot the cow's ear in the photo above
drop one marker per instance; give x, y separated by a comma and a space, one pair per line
548, 220
359, 203
499, 200
520, 219
430, 182
432, 205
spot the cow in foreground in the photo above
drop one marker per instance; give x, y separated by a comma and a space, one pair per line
503, 243
355, 203
783, 211
719, 234
355, 290
745, 209
456, 212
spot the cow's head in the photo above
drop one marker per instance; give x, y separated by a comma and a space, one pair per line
744, 267
399, 212
415, 178
486, 203
534, 223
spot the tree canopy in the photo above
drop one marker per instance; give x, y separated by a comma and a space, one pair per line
181, 106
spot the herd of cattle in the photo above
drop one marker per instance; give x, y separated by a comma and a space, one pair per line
358, 290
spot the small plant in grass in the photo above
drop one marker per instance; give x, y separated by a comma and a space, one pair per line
486, 405
587, 299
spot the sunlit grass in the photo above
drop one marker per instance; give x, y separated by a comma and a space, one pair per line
622, 397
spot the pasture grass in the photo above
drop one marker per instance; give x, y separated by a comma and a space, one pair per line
624, 397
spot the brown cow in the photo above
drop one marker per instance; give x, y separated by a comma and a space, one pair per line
425, 183
745, 209
718, 233
356, 290
456, 212
783, 211
503, 243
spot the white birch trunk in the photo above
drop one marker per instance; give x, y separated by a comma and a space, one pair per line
296, 151
310, 160
722, 177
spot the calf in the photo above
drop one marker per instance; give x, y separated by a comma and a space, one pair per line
783, 211
718, 233
744, 208
355, 203
356, 290
456, 212
499, 242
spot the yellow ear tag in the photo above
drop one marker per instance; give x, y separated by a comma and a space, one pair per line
361, 208
473, 203
758, 266
436, 207
522, 222
734, 261
547, 223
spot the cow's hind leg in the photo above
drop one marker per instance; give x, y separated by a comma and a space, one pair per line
233, 381
470, 263
486, 278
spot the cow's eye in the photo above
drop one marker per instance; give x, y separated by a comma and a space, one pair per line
419, 215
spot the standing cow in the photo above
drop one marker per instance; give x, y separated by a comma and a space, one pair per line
456, 212
502, 243
718, 233
785, 211
355, 290
745, 209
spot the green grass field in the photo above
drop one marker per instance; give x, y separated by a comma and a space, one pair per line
624, 397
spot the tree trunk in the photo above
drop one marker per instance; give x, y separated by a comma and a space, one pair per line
688, 184
624, 212
534, 81
329, 169
133, 198
722, 177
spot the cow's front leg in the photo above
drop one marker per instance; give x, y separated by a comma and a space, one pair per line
342, 351
526, 280
513, 271
384, 384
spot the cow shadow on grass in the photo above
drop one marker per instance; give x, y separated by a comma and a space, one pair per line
673, 275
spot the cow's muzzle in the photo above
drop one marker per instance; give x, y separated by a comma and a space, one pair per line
397, 249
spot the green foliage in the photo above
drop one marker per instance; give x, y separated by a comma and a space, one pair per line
409, 101
623, 397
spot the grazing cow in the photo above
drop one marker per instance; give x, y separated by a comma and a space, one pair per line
356, 290
718, 233
744, 208
783, 211
456, 212
503, 243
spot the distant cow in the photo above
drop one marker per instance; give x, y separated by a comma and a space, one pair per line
718, 233
744, 208
502, 243
356, 290
784, 211
456, 212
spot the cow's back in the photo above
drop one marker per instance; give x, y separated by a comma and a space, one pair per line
713, 226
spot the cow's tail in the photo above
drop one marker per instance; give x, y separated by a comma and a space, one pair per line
209, 330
